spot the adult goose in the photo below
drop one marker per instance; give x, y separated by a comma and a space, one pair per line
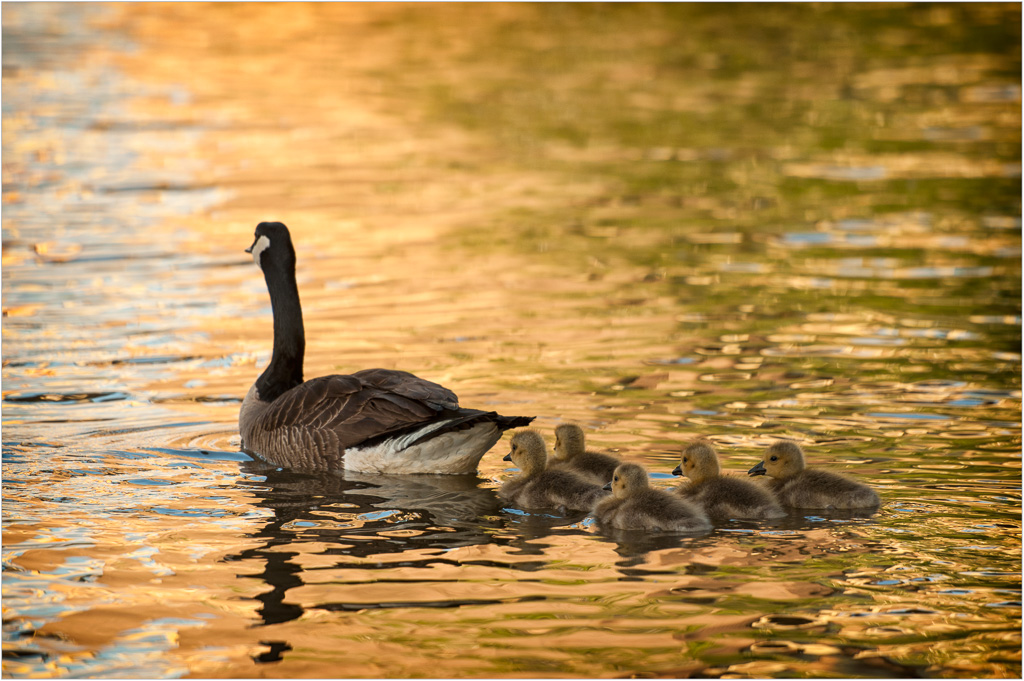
372, 421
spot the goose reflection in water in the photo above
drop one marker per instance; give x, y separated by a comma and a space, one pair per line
363, 515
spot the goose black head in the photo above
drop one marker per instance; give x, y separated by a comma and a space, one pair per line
272, 244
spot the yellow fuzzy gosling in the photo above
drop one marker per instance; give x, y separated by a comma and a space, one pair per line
722, 497
538, 487
635, 505
800, 487
571, 454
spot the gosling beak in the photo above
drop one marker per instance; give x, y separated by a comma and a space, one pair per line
678, 470
759, 469
508, 457
607, 486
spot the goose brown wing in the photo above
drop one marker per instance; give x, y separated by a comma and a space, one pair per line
357, 407
407, 385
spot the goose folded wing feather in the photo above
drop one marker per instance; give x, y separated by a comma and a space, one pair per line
408, 385
346, 406
316, 401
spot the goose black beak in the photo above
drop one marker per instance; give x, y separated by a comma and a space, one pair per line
607, 485
508, 457
759, 469
678, 470
249, 250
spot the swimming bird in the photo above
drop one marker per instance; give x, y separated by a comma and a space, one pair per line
800, 487
372, 421
722, 496
635, 505
539, 487
571, 454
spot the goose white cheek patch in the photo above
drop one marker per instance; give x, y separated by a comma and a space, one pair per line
262, 244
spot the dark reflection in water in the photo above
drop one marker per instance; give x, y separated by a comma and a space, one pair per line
316, 506
361, 515
418, 501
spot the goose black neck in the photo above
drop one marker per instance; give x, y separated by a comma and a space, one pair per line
285, 369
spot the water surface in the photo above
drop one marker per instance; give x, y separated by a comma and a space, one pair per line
656, 221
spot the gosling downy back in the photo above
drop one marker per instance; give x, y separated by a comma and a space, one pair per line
722, 497
570, 453
539, 487
373, 421
797, 486
635, 505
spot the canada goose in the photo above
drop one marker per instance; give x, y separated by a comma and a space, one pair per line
373, 421
570, 453
800, 487
635, 505
538, 487
720, 496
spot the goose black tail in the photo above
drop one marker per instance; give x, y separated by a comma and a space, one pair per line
467, 418
507, 422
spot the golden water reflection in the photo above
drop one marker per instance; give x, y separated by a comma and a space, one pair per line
750, 233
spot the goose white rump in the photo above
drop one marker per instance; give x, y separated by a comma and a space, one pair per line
449, 452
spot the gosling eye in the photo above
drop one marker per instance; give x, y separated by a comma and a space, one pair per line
774, 458
615, 479
684, 459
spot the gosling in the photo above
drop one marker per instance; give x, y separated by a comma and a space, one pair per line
537, 487
800, 487
722, 497
571, 454
635, 505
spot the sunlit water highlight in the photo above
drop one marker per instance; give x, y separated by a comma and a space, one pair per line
566, 264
